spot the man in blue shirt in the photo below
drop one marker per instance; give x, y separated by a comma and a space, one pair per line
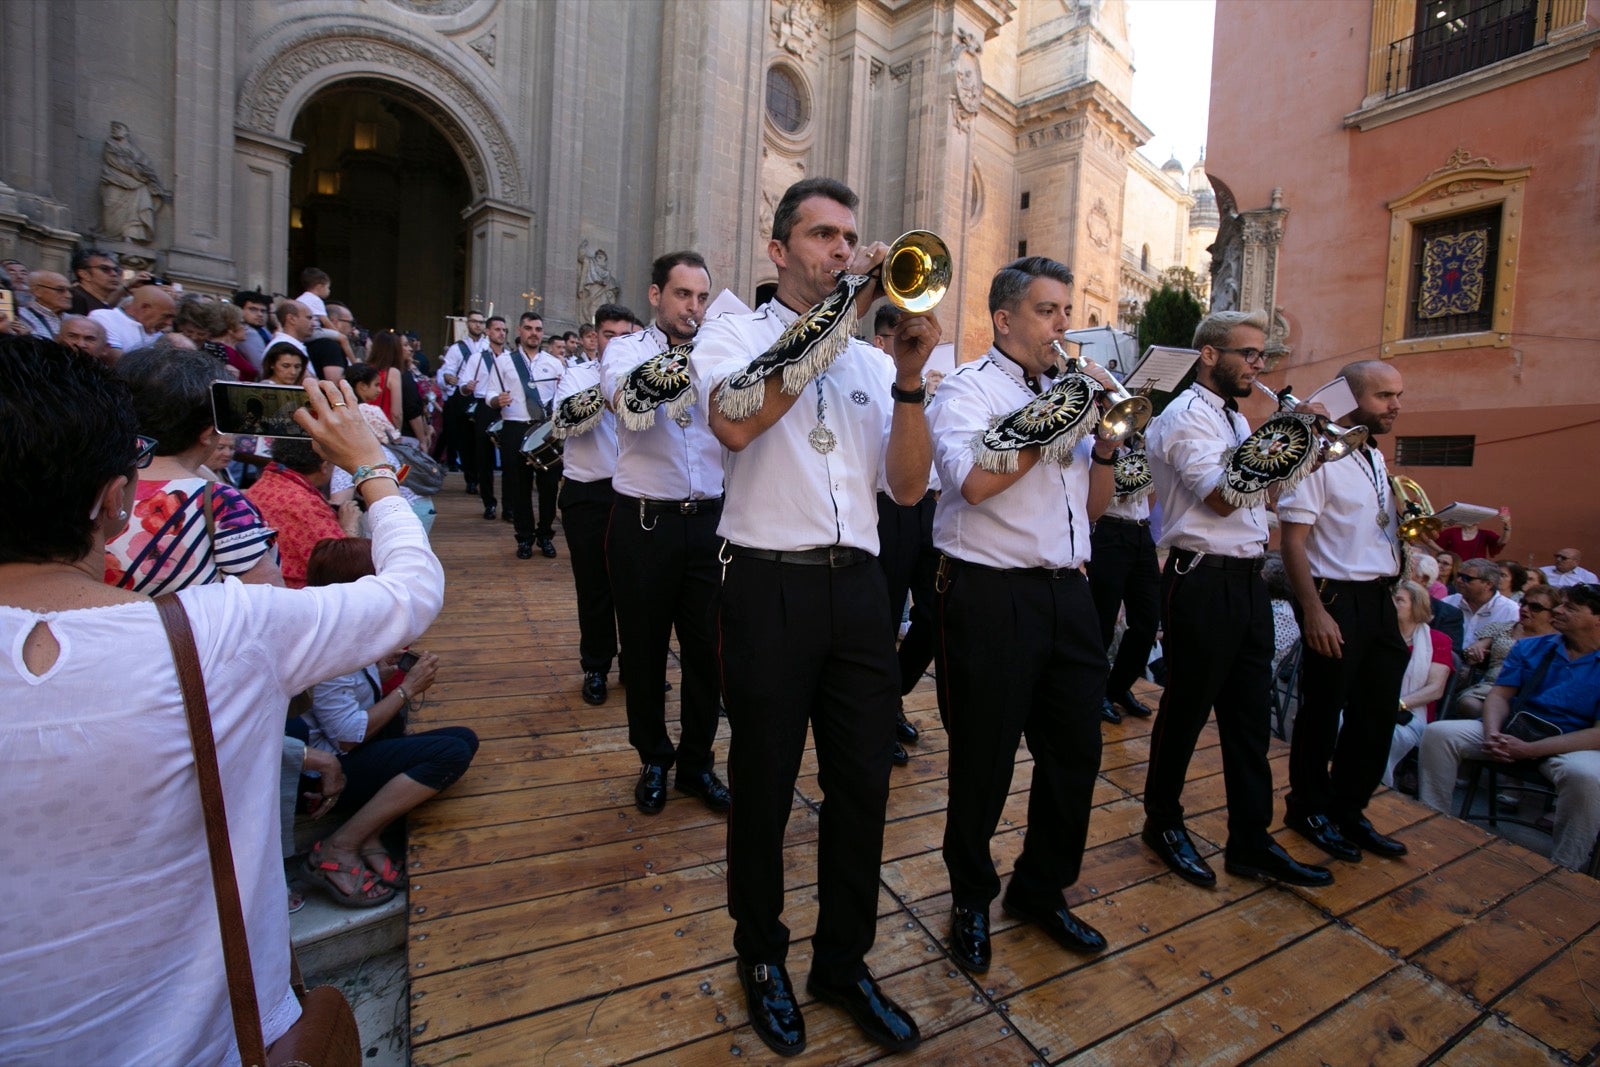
1553, 683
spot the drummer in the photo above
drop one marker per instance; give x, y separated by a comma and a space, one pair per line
1216, 616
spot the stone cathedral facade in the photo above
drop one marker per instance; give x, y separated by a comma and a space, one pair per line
437, 154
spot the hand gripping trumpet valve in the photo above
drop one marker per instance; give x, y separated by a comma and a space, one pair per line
1122, 414
1333, 442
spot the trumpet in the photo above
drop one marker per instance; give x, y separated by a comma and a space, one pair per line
1122, 414
1333, 442
916, 271
1417, 521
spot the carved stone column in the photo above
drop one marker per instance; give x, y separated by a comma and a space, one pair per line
261, 164
1262, 233
202, 215
497, 259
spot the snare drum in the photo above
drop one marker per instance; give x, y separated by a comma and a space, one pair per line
539, 449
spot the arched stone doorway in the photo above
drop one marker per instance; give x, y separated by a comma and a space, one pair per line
376, 199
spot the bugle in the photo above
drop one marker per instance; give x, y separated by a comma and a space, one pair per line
1122, 414
917, 271
1417, 521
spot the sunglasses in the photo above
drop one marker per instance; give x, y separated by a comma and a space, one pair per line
144, 452
1533, 607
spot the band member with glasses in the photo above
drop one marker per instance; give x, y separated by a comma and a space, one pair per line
1343, 555
1019, 645
1216, 615
803, 616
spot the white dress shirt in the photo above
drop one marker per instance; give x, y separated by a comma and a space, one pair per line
122, 331
667, 461
546, 372
1497, 608
506, 363
1134, 509
451, 363
784, 495
1188, 444
1041, 519
590, 456
483, 374
314, 304
299, 344
1341, 503
1576, 576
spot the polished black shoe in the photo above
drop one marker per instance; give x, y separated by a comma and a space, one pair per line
1359, 832
524, 550
1109, 713
880, 1018
1132, 705
898, 756
708, 787
594, 684
769, 998
903, 729
548, 547
1273, 864
1320, 831
1179, 853
1064, 928
488, 511
472, 489
969, 938
650, 795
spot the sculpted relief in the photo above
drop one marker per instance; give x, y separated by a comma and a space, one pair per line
129, 189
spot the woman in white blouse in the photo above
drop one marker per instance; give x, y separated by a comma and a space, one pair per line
110, 950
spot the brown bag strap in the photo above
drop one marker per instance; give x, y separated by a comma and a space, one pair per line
230, 915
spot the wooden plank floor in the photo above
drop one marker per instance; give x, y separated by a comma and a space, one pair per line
552, 924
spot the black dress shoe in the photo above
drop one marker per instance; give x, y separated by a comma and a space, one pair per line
1109, 713
1179, 853
904, 730
1320, 831
524, 550
969, 938
650, 795
472, 489
880, 1018
708, 787
1359, 832
594, 682
1132, 705
898, 756
1272, 864
1064, 928
769, 998
548, 547
488, 511
506, 516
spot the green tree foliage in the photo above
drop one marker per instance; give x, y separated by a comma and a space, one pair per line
1170, 318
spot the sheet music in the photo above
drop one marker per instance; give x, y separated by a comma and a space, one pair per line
1162, 368
1336, 396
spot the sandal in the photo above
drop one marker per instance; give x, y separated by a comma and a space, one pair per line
369, 892
384, 869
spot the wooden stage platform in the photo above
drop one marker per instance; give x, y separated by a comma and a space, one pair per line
551, 923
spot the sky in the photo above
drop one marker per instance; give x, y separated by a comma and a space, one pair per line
1172, 74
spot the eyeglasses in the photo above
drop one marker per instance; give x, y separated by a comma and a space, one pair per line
1533, 607
1559, 556
145, 452
106, 268
1249, 355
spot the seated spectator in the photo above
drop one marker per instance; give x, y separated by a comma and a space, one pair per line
1285, 627
367, 381
1427, 672
110, 939
1488, 653
216, 329
1424, 570
1566, 570
283, 364
1449, 570
1479, 598
387, 771
1549, 688
185, 529
289, 495
1535, 579
1513, 579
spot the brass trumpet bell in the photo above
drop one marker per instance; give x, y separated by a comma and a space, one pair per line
917, 271
1125, 415
1338, 442
1416, 512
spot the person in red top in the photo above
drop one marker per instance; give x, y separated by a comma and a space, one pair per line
289, 495
1469, 542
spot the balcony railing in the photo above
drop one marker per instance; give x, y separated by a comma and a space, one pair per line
1463, 42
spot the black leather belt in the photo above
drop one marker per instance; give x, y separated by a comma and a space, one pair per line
1187, 559
703, 506
1050, 573
832, 556
1357, 583
1118, 520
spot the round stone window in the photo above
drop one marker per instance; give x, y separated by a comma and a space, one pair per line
786, 100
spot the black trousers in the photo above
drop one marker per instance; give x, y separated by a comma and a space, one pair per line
1218, 647
1020, 655
548, 484
908, 559
482, 458
663, 568
1365, 685
1123, 572
516, 480
807, 645
456, 438
585, 514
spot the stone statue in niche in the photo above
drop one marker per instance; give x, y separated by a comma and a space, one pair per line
596, 284
129, 189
